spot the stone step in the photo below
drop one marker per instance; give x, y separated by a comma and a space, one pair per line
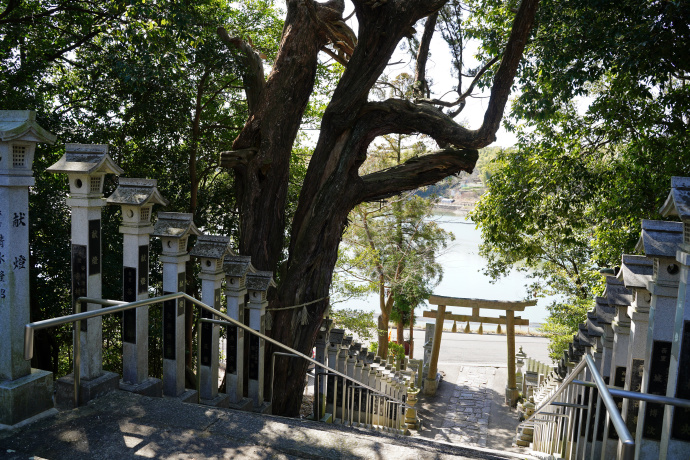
125, 425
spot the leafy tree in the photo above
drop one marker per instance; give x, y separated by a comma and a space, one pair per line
360, 323
582, 178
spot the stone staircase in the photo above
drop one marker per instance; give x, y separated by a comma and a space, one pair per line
123, 425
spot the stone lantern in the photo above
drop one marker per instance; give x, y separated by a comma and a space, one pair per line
210, 250
24, 392
174, 230
236, 270
257, 288
136, 198
86, 166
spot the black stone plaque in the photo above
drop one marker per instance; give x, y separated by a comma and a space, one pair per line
143, 275
181, 287
253, 370
79, 278
657, 381
94, 246
637, 371
169, 326
681, 417
129, 294
231, 365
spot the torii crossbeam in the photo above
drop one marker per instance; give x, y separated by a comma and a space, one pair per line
510, 307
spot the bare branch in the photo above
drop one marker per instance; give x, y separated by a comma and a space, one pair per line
420, 83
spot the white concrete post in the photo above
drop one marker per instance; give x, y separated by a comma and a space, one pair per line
236, 269
210, 250
659, 241
136, 198
257, 287
675, 436
24, 392
86, 166
174, 229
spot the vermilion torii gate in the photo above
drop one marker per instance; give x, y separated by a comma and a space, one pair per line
509, 320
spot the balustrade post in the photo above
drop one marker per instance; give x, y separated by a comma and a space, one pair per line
320, 383
675, 437
24, 392
211, 251
86, 166
174, 230
659, 241
236, 269
257, 286
136, 198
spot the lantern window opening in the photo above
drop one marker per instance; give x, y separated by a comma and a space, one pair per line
95, 184
145, 214
656, 269
19, 156
183, 245
686, 232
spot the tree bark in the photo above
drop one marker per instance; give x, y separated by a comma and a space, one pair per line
333, 185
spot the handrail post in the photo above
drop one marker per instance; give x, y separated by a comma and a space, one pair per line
76, 345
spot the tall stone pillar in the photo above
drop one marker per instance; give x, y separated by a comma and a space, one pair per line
174, 229
24, 392
257, 287
675, 436
659, 241
136, 198
635, 272
86, 166
211, 250
236, 269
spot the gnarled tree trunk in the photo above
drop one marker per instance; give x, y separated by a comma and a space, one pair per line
333, 186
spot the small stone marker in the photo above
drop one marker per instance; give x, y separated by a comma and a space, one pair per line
24, 392
174, 229
136, 198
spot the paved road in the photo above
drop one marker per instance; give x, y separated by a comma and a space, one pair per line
478, 349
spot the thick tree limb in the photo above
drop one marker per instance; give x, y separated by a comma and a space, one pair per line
500, 91
252, 70
233, 158
417, 172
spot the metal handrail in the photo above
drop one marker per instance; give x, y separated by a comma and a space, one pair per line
117, 306
295, 353
628, 442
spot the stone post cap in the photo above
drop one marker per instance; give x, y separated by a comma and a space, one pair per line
660, 238
20, 125
238, 266
678, 201
136, 192
616, 293
260, 281
175, 225
212, 247
635, 270
86, 159
605, 312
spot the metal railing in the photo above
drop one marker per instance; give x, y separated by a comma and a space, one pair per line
348, 408
116, 306
555, 432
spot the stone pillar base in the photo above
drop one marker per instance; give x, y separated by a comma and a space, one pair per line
149, 387
25, 397
512, 395
187, 396
265, 408
88, 389
222, 400
244, 404
431, 385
